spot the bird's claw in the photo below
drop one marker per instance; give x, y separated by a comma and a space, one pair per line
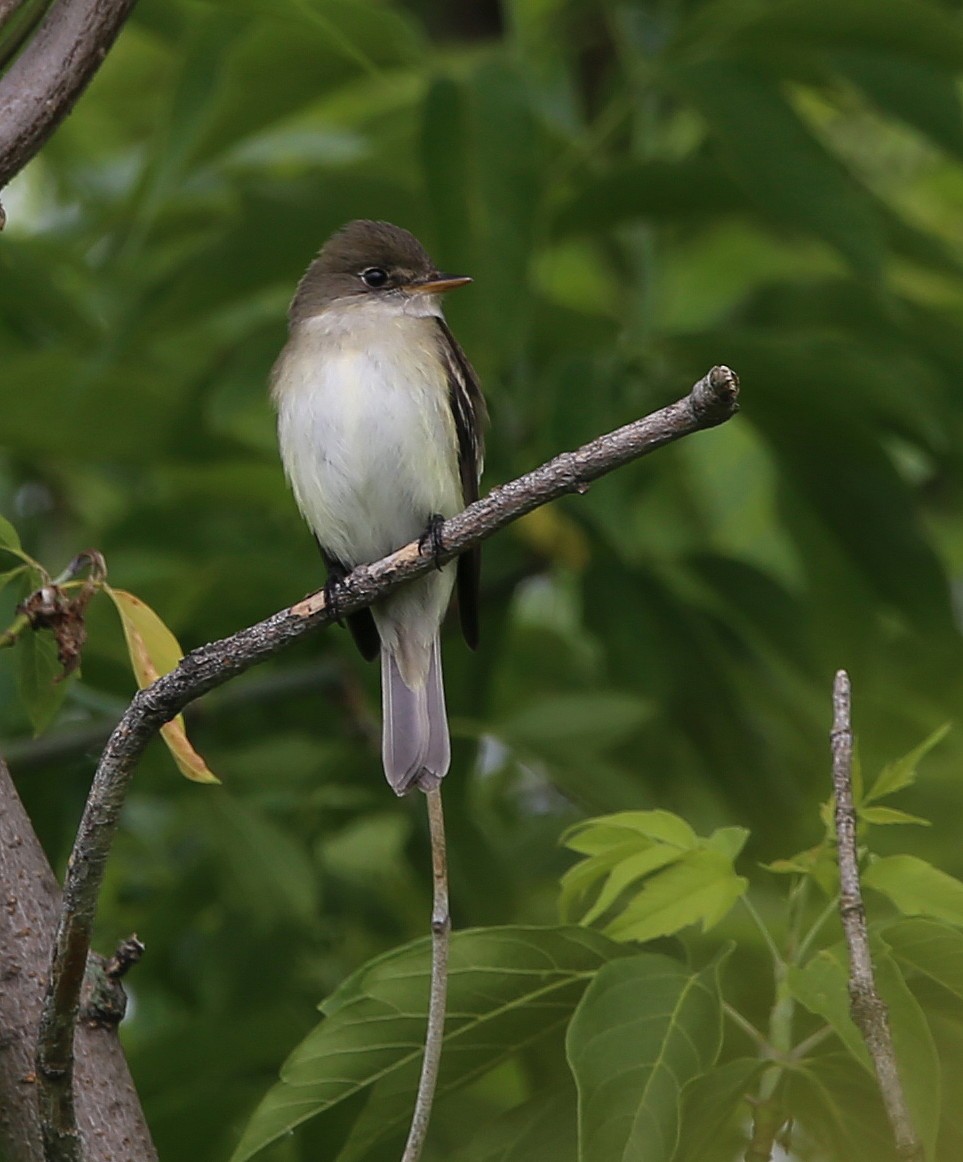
431, 541
332, 591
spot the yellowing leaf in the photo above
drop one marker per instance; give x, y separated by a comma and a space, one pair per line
155, 651
153, 648
189, 762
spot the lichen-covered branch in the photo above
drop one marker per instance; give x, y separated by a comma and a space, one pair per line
712, 401
868, 1009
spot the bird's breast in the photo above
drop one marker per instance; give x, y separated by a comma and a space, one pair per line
366, 432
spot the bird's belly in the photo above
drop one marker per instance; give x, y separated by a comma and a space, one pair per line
371, 455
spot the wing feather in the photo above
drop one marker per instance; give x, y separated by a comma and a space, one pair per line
470, 416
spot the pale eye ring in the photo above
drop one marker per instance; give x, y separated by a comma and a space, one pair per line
374, 277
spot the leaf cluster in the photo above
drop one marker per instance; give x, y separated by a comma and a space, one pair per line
657, 1067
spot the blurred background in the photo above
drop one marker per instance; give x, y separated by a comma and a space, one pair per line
640, 191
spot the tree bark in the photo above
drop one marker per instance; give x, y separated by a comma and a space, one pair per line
109, 1117
40, 87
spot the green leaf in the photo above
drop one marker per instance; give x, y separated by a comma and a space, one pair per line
728, 841
919, 1066
691, 187
578, 880
772, 154
635, 846
902, 773
39, 670
906, 28
822, 987
626, 872
266, 868
11, 575
9, 538
445, 148
925, 97
506, 191
932, 949
541, 1130
700, 887
714, 1112
840, 1107
507, 988
947, 1030
645, 1028
819, 862
889, 815
74, 398
595, 835
916, 887
598, 720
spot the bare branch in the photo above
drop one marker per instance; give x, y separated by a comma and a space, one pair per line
112, 1125
868, 1009
712, 401
40, 87
440, 935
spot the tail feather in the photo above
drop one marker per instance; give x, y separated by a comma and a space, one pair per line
415, 746
438, 752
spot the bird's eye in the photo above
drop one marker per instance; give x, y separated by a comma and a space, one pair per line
374, 276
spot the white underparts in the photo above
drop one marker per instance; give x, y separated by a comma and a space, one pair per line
369, 445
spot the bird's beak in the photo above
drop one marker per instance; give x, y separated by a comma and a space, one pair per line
436, 284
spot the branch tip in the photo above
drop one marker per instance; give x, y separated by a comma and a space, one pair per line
715, 398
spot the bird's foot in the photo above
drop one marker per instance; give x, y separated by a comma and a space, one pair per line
431, 542
332, 592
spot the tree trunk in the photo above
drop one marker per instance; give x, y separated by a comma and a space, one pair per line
109, 1116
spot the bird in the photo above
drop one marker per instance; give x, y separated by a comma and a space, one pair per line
381, 423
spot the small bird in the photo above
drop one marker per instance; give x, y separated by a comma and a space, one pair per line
380, 426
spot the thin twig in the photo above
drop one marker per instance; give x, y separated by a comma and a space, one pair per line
712, 401
440, 933
868, 1009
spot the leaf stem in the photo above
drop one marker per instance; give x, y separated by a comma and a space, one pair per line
806, 943
809, 1043
748, 1028
761, 925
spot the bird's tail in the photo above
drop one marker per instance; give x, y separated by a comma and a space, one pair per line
415, 746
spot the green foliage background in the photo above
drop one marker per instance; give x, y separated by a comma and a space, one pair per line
640, 190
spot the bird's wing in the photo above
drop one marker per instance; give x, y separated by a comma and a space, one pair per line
470, 415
